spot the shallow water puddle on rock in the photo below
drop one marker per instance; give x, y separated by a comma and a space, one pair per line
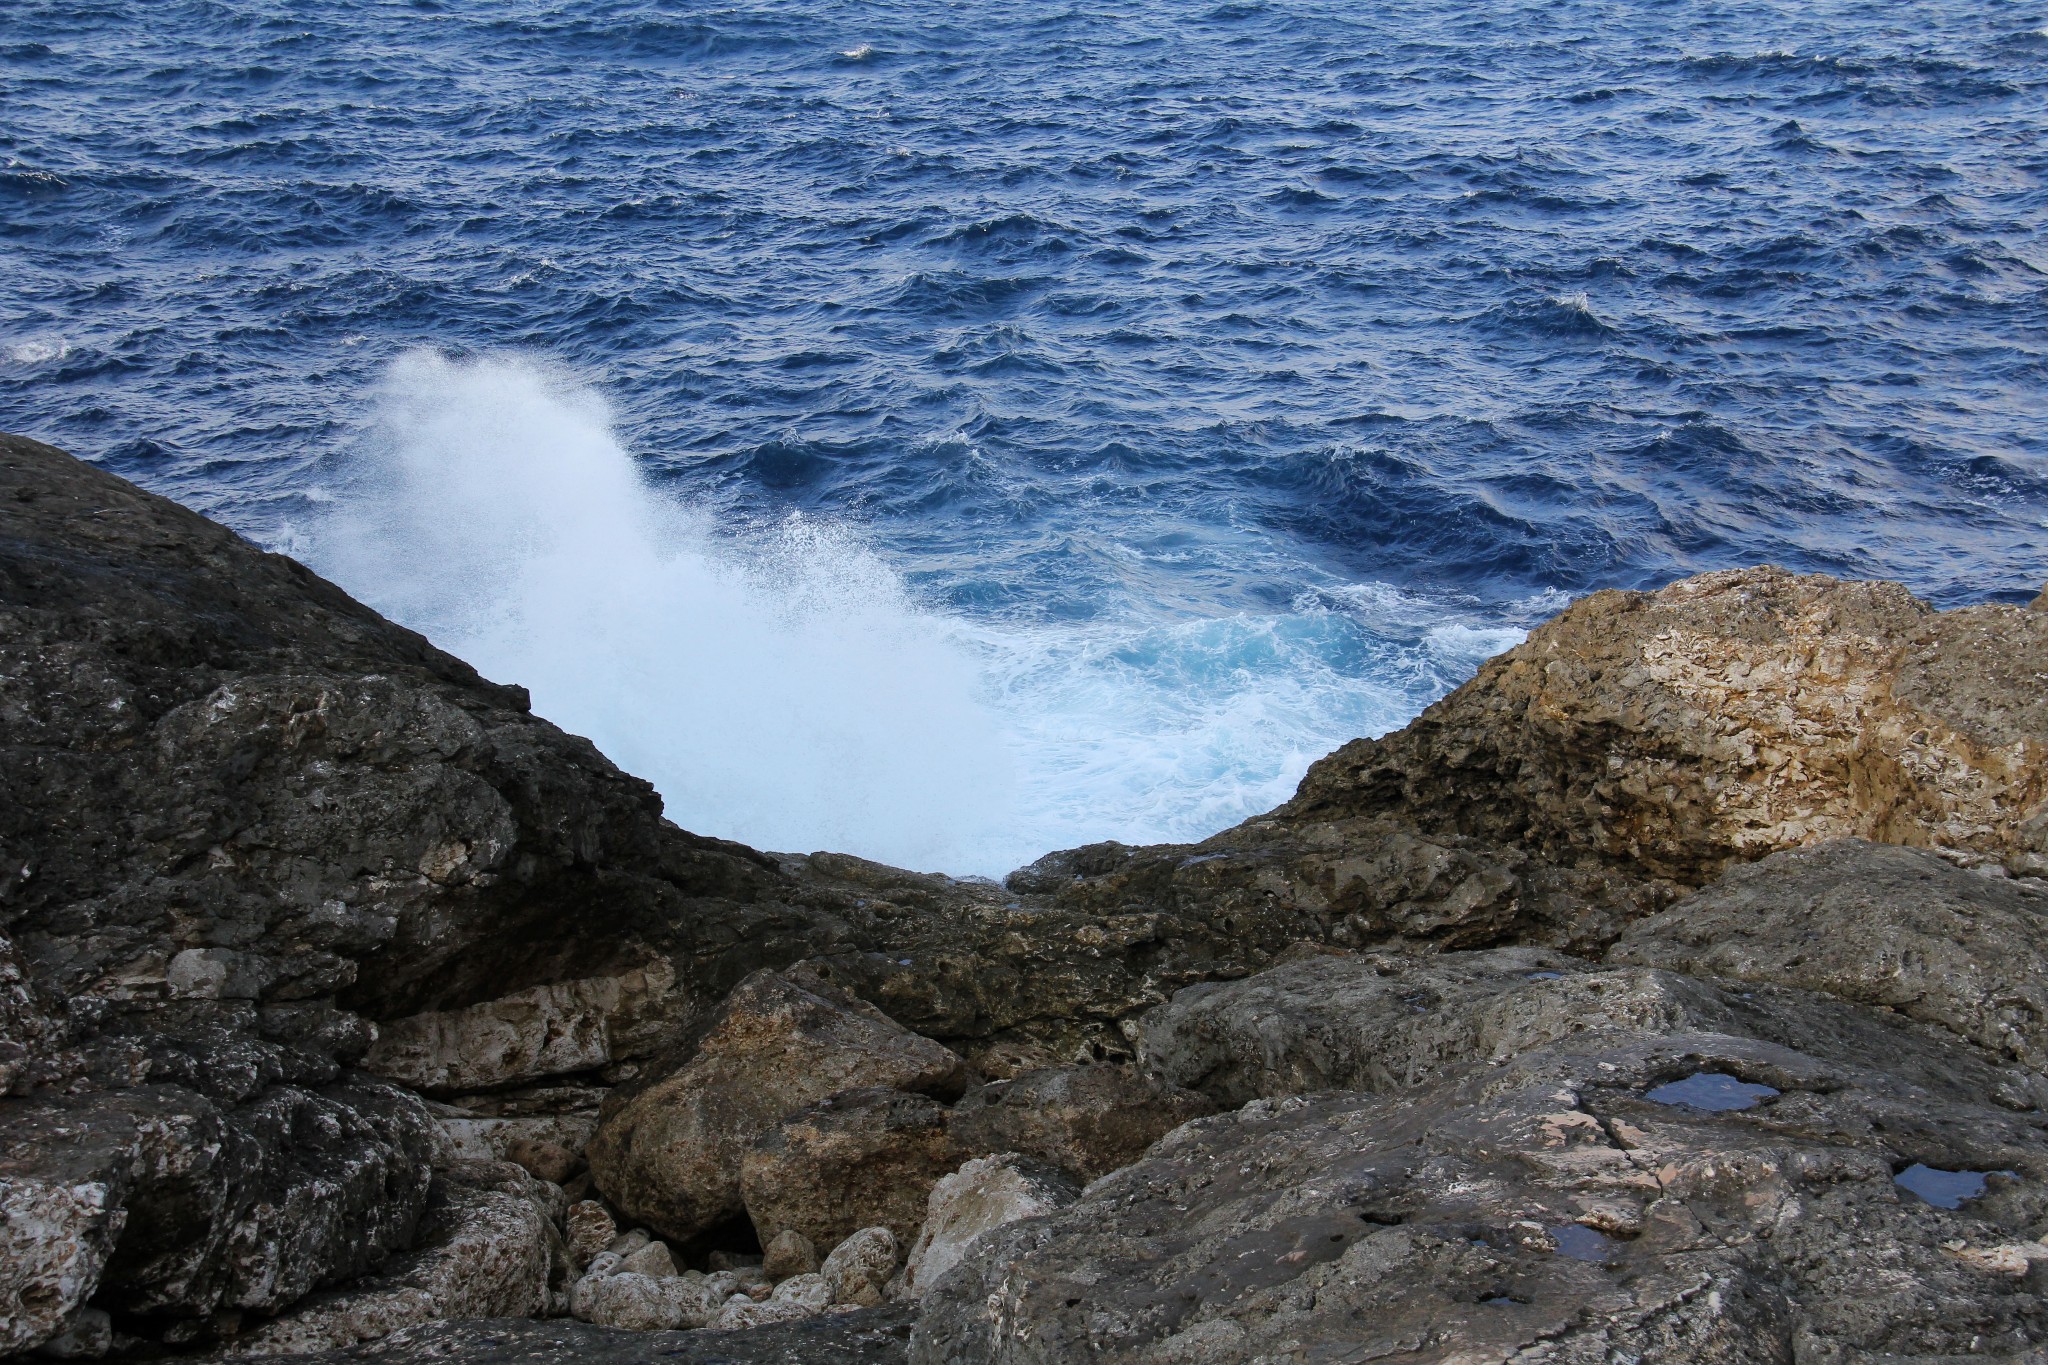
1712, 1090
1581, 1243
1944, 1189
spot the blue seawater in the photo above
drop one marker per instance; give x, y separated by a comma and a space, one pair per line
949, 432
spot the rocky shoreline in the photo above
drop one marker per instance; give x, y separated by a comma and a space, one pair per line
1675, 990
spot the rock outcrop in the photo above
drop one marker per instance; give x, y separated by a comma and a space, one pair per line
1553, 1206
671, 1156
341, 997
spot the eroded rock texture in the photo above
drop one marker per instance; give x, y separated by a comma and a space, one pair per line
1545, 1207
1632, 749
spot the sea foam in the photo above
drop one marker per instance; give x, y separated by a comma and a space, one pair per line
782, 686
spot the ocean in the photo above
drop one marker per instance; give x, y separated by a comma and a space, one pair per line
947, 433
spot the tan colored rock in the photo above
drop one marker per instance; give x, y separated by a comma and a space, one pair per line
590, 1230
653, 1260
1087, 1121
812, 1291
862, 1158
859, 1268
1725, 717
637, 1303
789, 1253
985, 1194
548, 1030
672, 1155
741, 1313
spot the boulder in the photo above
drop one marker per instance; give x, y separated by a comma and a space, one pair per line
488, 1248
1620, 1196
789, 1253
862, 1158
1087, 1121
588, 1229
1900, 928
1385, 1021
168, 1207
671, 1156
983, 1195
858, 1270
810, 1290
652, 1259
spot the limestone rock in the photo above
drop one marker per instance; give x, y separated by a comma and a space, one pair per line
671, 1156
1877, 924
637, 1303
1387, 1021
652, 1259
862, 1158
590, 1230
810, 1290
1087, 1121
983, 1195
859, 1268
789, 1253
744, 1313
165, 1206
1543, 1208
1728, 716
489, 1248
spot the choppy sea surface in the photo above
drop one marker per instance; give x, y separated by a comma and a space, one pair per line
949, 432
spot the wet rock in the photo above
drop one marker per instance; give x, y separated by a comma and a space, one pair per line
1542, 1206
589, 1230
1876, 924
489, 1248
1087, 1121
862, 1158
983, 1195
859, 1268
789, 1253
1381, 1021
671, 1157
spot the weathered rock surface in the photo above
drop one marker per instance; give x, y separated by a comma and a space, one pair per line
983, 1195
488, 1248
859, 1269
1545, 1207
1631, 749
272, 869
861, 1158
1877, 924
671, 1156
1383, 1021
1087, 1121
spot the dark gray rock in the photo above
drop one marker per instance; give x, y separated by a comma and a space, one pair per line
1900, 928
875, 1336
1383, 1021
1544, 1207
